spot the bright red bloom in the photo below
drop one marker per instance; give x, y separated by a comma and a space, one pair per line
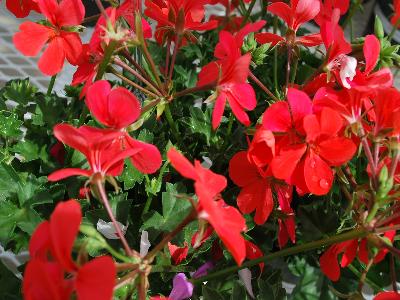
100, 146
226, 220
178, 18
230, 75
22, 8
386, 113
310, 145
62, 44
178, 254
369, 81
118, 108
298, 13
52, 274
329, 260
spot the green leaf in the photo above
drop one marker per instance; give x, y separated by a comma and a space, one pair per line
10, 125
30, 151
130, 176
9, 216
20, 91
210, 294
200, 122
238, 291
9, 181
174, 210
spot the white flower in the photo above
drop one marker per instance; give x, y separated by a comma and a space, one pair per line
13, 261
108, 230
144, 243
245, 277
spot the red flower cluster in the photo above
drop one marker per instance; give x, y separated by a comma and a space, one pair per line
63, 42
52, 274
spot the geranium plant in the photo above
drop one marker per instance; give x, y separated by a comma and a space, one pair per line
196, 156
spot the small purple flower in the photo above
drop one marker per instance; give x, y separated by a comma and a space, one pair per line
182, 288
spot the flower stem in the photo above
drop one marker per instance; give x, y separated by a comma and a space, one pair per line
276, 57
51, 85
123, 65
134, 84
368, 281
248, 12
106, 59
173, 59
352, 11
262, 86
394, 29
171, 123
353, 234
104, 199
195, 89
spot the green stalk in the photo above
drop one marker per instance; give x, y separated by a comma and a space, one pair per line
248, 12
172, 124
352, 11
106, 59
368, 281
51, 85
353, 234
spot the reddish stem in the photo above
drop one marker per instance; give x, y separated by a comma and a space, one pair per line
262, 86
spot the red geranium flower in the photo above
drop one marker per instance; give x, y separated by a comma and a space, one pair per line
230, 75
118, 108
177, 19
52, 274
310, 145
327, 7
22, 8
62, 44
100, 146
392, 295
329, 260
226, 220
396, 16
298, 13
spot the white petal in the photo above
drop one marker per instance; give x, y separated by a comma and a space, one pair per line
198, 103
348, 66
13, 261
144, 243
207, 163
245, 277
108, 230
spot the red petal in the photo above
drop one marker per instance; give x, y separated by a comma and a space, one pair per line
96, 279
277, 117
72, 137
64, 227
72, 46
219, 107
265, 205
253, 252
244, 95
300, 104
310, 40
266, 37
49, 9
329, 263
44, 281
238, 110
250, 195
31, 38
372, 49
68, 172
262, 148
317, 174
97, 101
178, 254
330, 121
282, 10
182, 164
123, 106
305, 11
337, 151
248, 28
350, 253
22, 8
208, 74
40, 243
284, 164
241, 171
70, 12
148, 160
53, 57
